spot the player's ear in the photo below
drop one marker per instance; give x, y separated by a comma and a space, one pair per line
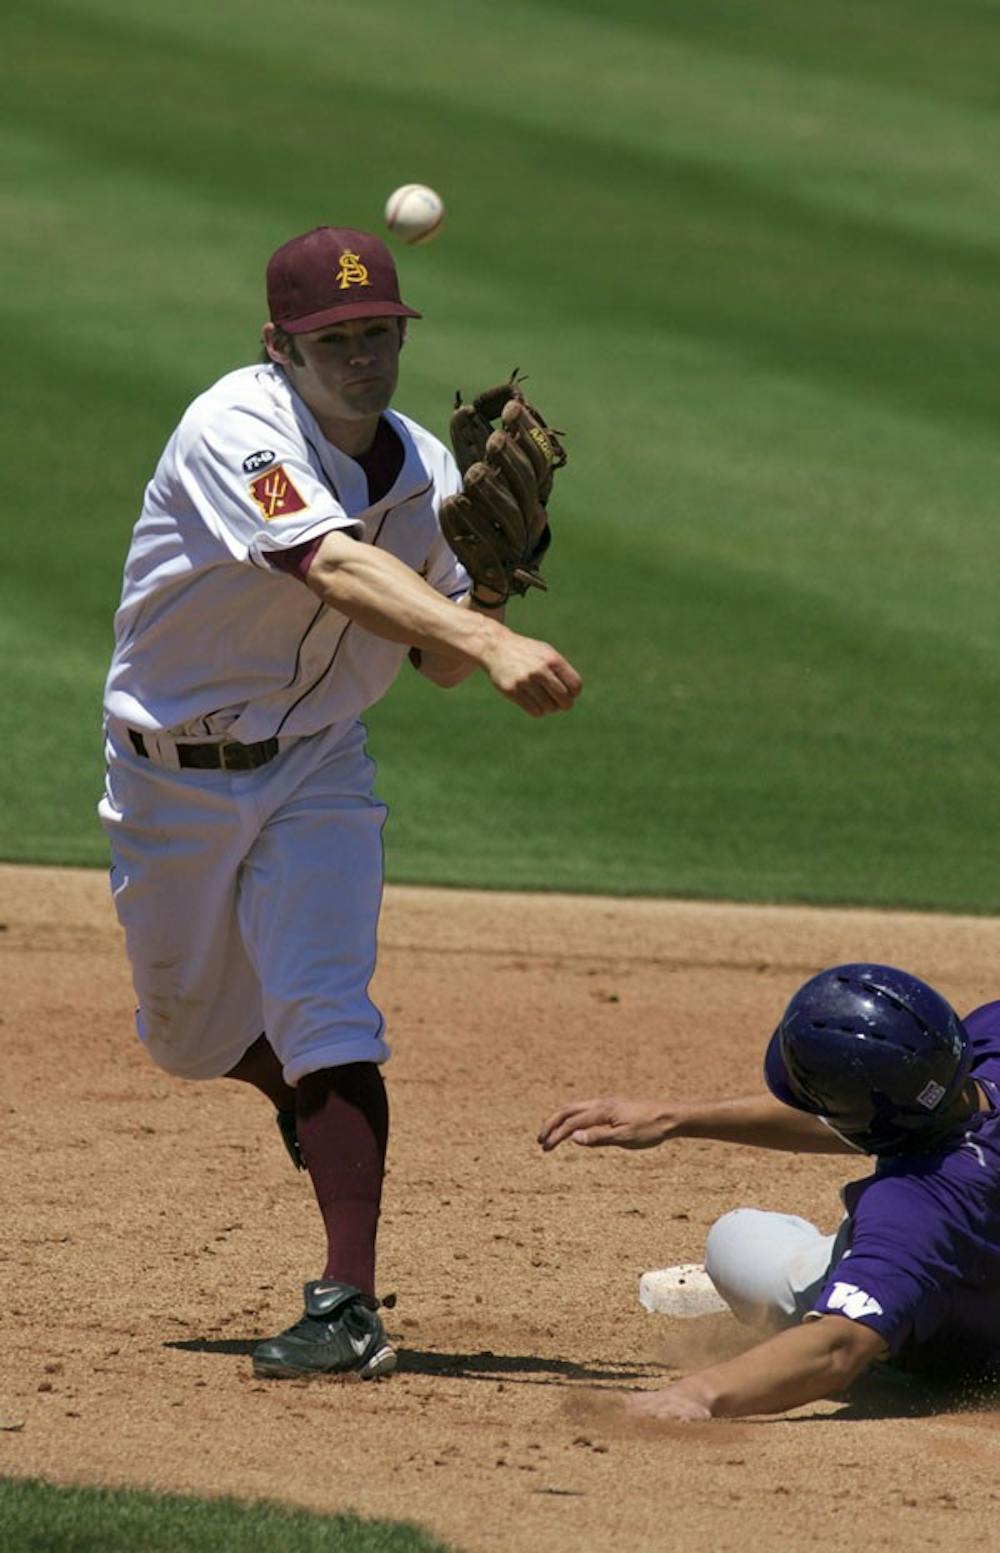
402, 322
267, 341
279, 346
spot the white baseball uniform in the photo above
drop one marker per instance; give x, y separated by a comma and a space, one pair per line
250, 897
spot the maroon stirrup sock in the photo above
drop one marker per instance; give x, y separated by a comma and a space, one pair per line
342, 1115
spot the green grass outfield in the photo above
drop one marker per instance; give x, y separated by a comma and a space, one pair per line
39, 1518
750, 256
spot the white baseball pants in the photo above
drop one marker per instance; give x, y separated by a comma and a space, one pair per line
770, 1267
250, 903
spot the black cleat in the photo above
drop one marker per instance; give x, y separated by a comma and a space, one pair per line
338, 1334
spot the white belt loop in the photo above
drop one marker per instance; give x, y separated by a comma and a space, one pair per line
162, 750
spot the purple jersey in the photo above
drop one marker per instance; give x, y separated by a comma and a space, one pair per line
924, 1254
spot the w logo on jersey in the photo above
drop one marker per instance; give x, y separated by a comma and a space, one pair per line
852, 1301
275, 494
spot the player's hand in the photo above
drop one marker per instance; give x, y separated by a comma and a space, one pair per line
609, 1121
672, 1402
532, 674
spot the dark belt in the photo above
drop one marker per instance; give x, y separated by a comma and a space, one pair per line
215, 757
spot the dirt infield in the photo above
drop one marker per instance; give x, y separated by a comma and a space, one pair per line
152, 1231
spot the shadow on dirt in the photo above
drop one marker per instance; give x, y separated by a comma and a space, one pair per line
873, 1396
231, 1345
892, 1395
525, 1369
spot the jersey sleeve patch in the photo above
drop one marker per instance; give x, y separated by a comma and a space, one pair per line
276, 495
848, 1300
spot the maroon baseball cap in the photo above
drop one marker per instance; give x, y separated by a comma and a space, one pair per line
329, 275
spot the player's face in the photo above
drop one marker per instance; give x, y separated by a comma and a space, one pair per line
347, 371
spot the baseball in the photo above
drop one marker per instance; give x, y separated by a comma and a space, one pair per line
414, 212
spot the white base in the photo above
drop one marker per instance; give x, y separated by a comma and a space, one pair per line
685, 1290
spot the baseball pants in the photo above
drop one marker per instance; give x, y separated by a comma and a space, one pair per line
770, 1267
250, 903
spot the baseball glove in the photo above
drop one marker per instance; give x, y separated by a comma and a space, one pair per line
497, 524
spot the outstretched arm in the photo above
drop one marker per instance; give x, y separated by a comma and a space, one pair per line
758, 1120
815, 1359
385, 596
448, 669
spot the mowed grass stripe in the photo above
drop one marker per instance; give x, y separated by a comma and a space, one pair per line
764, 311
701, 248
946, 51
832, 138
818, 775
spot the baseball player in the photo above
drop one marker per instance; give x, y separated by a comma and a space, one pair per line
287, 560
866, 1059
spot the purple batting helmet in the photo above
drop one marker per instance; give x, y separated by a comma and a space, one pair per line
877, 1053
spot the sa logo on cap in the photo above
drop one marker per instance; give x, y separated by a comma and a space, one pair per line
275, 494
352, 272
